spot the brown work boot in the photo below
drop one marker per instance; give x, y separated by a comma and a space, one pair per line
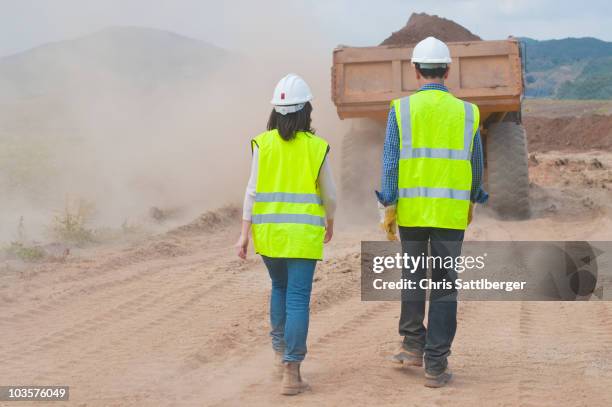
292, 383
438, 380
278, 365
408, 357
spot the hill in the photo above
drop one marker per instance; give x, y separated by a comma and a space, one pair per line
141, 58
121, 117
570, 68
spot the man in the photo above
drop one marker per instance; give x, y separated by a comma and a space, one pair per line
432, 172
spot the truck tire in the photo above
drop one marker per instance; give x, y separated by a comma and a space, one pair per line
361, 165
508, 171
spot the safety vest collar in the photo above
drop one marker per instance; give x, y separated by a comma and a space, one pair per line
433, 86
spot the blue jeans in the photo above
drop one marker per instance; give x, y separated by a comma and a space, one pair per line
290, 305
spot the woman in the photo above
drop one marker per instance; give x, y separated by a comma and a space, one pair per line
289, 204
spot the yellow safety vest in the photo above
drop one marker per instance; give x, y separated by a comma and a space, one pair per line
288, 216
435, 172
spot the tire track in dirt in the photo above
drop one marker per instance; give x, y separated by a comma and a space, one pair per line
102, 293
604, 331
559, 349
221, 344
349, 361
545, 327
124, 319
210, 234
243, 351
126, 313
479, 361
595, 349
115, 312
335, 281
532, 331
155, 329
17, 355
174, 306
495, 351
77, 273
68, 296
330, 323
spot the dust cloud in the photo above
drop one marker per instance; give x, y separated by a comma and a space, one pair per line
95, 129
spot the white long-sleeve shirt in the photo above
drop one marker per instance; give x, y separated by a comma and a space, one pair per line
325, 181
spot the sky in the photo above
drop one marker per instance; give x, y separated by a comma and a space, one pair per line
243, 24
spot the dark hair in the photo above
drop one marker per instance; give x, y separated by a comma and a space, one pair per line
290, 123
431, 73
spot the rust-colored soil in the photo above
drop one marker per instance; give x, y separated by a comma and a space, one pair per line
569, 133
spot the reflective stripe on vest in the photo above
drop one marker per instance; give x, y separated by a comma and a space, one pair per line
288, 218
434, 193
408, 152
287, 197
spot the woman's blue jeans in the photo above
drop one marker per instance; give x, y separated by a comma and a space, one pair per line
290, 305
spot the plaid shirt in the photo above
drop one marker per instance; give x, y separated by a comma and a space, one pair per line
391, 153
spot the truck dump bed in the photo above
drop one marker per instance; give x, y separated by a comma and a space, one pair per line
366, 79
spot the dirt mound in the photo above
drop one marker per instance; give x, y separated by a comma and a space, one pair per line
572, 186
162, 249
210, 221
593, 132
422, 25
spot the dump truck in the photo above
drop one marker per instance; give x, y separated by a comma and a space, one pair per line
486, 73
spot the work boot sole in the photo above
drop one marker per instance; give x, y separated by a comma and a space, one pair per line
292, 391
407, 359
438, 381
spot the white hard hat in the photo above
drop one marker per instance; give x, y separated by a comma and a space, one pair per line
431, 53
291, 94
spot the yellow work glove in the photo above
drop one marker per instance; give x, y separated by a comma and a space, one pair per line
470, 212
387, 221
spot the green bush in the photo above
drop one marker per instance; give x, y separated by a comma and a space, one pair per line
71, 224
24, 252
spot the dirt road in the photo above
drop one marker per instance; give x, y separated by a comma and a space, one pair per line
179, 320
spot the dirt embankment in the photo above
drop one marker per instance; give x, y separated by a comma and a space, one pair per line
566, 107
422, 25
569, 133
